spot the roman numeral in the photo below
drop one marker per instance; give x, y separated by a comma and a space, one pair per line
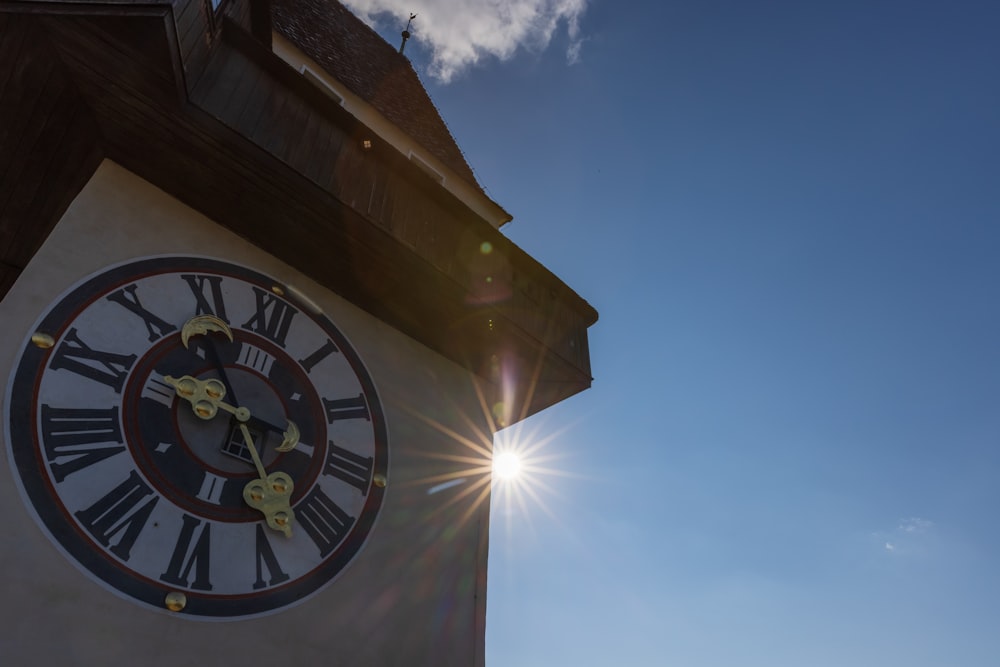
266, 559
75, 438
353, 468
323, 520
346, 408
105, 367
120, 512
319, 355
273, 317
127, 297
156, 389
187, 557
211, 488
255, 358
198, 283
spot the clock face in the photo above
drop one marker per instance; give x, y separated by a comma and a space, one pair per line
197, 439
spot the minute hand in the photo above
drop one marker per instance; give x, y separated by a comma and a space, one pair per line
290, 434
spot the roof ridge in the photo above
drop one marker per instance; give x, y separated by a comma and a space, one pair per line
444, 122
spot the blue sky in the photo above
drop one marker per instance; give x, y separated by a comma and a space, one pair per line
788, 217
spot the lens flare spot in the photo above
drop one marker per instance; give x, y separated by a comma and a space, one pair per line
506, 465
499, 412
486, 247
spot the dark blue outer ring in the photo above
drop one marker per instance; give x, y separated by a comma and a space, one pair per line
25, 450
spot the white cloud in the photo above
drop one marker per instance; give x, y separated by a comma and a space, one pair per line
915, 525
909, 536
460, 33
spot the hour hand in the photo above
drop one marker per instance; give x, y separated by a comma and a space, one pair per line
202, 325
205, 396
289, 435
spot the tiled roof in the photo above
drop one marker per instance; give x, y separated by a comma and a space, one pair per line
359, 58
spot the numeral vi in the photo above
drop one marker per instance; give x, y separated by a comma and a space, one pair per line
120, 511
191, 553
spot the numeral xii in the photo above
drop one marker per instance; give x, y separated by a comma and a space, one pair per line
272, 317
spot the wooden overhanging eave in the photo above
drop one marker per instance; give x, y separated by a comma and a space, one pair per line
141, 69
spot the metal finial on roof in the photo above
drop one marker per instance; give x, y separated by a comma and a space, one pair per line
406, 33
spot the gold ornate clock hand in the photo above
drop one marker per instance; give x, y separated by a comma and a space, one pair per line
291, 437
203, 324
253, 451
176, 474
206, 397
271, 493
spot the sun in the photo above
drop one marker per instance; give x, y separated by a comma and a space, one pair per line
507, 465
510, 468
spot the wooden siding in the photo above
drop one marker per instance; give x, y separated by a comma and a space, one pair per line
272, 105
212, 117
49, 143
195, 30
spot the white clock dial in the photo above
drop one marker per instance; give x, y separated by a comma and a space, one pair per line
145, 487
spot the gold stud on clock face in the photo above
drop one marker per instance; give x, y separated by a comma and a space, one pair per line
188, 430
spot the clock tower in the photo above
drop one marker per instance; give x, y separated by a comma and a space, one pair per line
256, 310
